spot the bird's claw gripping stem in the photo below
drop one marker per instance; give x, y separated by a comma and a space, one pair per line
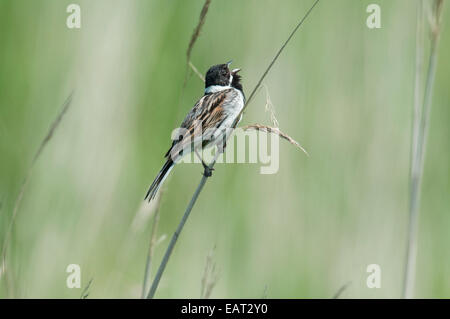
208, 170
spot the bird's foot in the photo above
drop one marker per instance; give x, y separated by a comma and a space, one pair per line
208, 170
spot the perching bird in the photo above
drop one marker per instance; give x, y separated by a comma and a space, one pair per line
210, 121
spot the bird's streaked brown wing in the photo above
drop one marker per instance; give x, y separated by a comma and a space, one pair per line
208, 113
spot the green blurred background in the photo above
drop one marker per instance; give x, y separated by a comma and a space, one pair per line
345, 92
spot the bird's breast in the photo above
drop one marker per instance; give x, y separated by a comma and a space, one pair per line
234, 105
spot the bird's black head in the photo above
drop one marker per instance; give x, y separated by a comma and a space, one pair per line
221, 75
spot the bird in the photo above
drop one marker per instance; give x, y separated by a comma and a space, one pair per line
209, 123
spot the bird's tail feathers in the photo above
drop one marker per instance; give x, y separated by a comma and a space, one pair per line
159, 180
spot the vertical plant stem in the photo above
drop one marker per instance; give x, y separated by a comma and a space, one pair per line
419, 140
194, 37
417, 115
151, 248
198, 28
411, 248
24, 184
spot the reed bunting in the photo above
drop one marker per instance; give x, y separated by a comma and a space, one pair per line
209, 123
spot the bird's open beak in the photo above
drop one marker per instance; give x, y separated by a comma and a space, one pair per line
229, 62
234, 71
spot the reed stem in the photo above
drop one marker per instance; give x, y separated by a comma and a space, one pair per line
419, 141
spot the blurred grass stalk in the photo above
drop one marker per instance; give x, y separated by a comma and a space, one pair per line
5, 269
151, 247
210, 276
420, 132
